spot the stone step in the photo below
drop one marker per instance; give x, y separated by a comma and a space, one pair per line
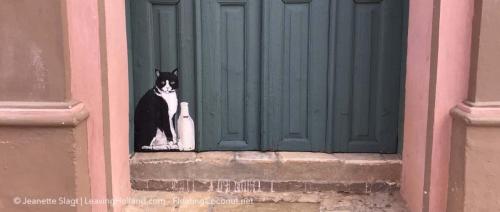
265, 171
151, 201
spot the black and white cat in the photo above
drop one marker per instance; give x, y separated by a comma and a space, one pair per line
154, 128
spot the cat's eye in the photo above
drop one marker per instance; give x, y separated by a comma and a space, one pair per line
173, 83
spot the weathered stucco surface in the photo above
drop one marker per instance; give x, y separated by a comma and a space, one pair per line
485, 51
437, 79
43, 162
32, 61
482, 170
43, 136
474, 170
86, 85
53, 53
116, 120
451, 89
416, 102
475, 147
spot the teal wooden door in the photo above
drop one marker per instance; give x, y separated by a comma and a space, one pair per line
229, 101
295, 69
278, 75
364, 80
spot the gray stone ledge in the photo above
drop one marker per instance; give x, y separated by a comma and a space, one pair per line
266, 167
190, 185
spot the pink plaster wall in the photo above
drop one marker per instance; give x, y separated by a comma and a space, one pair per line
416, 101
91, 87
86, 86
117, 73
451, 89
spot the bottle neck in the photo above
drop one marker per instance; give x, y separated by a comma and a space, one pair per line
184, 109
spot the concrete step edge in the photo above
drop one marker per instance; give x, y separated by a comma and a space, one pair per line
192, 185
293, 170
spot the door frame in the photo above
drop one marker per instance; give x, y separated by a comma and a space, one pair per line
197, 54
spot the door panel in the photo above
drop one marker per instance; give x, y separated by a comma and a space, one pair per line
367, 72
165, 38
230, 75
295, 65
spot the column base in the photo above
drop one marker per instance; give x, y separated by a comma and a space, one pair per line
43, 156
474, 159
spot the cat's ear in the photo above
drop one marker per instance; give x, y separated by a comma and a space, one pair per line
157, 72
174, 72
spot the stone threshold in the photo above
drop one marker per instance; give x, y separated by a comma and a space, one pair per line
235, 186
265, 172
265, 201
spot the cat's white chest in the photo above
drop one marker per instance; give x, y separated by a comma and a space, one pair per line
172, 102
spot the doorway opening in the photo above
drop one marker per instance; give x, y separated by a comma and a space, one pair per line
320, 76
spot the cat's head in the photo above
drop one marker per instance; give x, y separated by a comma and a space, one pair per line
166, 81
